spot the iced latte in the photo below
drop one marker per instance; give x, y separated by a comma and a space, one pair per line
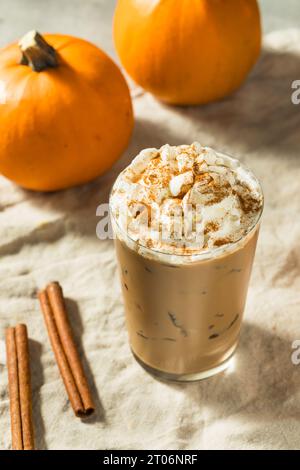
186, 221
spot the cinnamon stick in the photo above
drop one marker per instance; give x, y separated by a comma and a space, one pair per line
65, 351
25, 386
19, 388
13, 385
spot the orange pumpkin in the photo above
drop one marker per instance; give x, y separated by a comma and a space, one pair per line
65, 112
188, 51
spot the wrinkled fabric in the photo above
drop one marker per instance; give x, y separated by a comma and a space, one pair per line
44, 237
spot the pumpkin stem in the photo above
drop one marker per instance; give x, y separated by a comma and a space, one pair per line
36, 52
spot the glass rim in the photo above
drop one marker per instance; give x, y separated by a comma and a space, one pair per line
205, 253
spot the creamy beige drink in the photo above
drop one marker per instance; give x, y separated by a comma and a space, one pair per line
186, 221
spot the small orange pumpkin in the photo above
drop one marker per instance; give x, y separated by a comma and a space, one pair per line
188, 51
65, 112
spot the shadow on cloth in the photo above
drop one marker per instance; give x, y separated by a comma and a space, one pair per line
37, 380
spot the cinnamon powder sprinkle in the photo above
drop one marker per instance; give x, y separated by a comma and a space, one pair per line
211, 227
222, 241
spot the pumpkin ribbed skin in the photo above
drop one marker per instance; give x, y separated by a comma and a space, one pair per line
66, 125
188, 51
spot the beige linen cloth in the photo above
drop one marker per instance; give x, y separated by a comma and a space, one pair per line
256, 404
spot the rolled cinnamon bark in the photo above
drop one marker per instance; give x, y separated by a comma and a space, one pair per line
63, 345
55, 294
19, 388
25, 386
13, 385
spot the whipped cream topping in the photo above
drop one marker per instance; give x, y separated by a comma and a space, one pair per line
185, 199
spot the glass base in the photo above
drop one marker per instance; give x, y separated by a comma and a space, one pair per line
185, 377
